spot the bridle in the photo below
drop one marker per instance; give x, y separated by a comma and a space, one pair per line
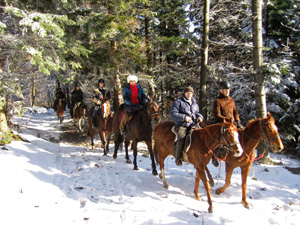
227, 146
263, 132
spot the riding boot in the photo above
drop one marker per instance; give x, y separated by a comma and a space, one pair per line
214, 161
179, 144
124, 121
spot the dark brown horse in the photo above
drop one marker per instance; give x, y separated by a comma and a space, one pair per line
138, 129
204, 142
103, 124
60, 111
256, 130
79, 115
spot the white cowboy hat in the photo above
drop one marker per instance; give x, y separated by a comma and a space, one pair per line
132, 77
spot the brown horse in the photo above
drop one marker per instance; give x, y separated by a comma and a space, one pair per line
79, 115
103, 124
139, 128
256, 130
60, 111
204, 142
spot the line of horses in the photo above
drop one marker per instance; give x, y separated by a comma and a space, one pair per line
203, 143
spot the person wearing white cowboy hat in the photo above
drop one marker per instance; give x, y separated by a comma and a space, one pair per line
134, 99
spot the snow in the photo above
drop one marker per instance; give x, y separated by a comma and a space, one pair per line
55, 183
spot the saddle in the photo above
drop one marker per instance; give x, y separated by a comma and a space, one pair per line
187, 142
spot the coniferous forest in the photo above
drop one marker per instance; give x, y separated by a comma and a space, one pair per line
253, 44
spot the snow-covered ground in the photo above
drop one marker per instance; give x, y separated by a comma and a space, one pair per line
47, 183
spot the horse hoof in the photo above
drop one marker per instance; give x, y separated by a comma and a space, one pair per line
135, 168
246, 205
218, 191
154, 173
160, 176
128, 161
198, 197
212, 184
210, 210
166, 186
115, 156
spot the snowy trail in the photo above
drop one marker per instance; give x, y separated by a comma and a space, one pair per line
62, 184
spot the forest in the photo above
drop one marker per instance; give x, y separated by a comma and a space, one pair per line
253, 44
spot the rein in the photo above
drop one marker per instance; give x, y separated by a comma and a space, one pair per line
228, 145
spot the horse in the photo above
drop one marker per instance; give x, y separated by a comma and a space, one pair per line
103, 124
60, 110
138, 129
79, 113
203, 142
249, 137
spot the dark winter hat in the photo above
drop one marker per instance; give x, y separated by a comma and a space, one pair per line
101, 81
77, 84
188, 89
224, 85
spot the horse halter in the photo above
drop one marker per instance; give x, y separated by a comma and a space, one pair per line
224, 137
263, 130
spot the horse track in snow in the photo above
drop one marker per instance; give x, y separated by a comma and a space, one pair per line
71, 135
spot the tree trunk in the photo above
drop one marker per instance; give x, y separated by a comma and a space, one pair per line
260, 95
204, 61
33, 90
148, 46
3, 121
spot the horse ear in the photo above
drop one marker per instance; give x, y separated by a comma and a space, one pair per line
224, 121
269, 115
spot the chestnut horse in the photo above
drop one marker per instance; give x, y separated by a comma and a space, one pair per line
138, 129
79, 115
60, 111
256, 130
104, 124
204, 142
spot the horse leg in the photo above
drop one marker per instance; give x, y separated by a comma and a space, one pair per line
245, 172
197, 180
117, 140
134, 145
202, 175
108, 141
210, 179
149, 145
229, 170
126, 151
91, 133
103, 140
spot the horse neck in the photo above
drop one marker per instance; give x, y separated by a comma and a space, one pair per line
210, 136
250, 136
60, 102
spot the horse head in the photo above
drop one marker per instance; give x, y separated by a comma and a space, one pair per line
269, 133
105, 107
230, 138
153, 111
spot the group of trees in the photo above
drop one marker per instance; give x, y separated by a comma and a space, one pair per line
168, 44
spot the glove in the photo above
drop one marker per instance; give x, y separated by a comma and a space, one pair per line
239, 125
97, 101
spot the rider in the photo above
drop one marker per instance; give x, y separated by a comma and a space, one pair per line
76, 96
224, 108
59, 95
102, 94
185, 113
134, 99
